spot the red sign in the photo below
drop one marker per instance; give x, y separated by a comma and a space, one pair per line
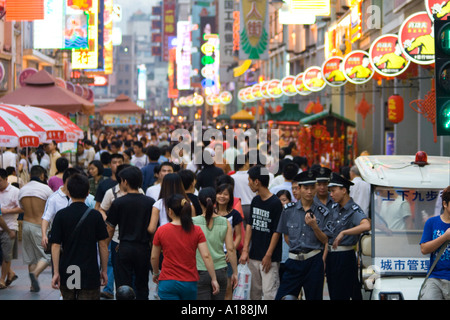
169, 26
387, 57
438, 9
357, 67
416, 36
24, 10
313, 79
273, 88
300, 86
287, 86
332, 72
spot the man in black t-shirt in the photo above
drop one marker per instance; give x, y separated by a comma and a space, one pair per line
132, 213
76, 271
265, 211
116, 160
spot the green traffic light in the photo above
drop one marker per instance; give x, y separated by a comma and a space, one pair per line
445, 38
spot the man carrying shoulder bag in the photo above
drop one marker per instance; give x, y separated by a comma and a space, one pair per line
78, 230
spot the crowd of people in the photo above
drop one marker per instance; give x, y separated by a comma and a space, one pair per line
125, 212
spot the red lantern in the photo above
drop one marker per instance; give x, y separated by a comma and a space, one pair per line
396, 108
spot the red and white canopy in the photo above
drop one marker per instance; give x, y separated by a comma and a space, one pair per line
14, 133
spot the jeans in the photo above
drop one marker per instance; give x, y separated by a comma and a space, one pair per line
109, 288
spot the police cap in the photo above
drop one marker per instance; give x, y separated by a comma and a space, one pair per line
306, 178
323, 174
337, 180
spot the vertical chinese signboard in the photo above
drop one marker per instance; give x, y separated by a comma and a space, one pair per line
184, 55
226, 21
169, 26
107, 37
88, 58
254, 22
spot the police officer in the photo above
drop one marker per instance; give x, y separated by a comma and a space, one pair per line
346, 222
323, 196
302, 224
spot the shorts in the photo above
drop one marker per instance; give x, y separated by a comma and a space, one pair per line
9, 246
177, 290
33, 252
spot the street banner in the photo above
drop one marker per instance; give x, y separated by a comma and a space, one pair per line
416, 36
299, 85
256, 91
438, 9
332, 72
254, 26
287, 86
169, 26
226, 20
387, 57
313, 79
357, 67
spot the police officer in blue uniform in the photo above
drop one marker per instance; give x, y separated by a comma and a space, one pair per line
346, 222
302, 224
323, 195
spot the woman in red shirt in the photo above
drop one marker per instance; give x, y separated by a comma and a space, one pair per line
179, 241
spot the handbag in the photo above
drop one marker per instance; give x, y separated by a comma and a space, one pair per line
80, 222
438, 256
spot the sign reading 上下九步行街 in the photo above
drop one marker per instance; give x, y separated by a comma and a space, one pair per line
254, 36
387, 57
416, 37
357, 68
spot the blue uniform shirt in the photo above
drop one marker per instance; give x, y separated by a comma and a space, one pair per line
329, 203
301, 236
347, 217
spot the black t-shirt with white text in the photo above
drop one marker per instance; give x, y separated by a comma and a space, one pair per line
264, 217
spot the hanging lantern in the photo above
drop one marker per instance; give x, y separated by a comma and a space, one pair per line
395, 108
364, 108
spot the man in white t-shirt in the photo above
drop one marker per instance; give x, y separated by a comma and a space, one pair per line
139, 159
9, 202
8, 159
360, 191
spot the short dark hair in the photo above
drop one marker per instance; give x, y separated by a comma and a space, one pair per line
256, 173
37, 171
133, 176
3, 174
167, 163
290, 170
69, 172
446, 195
78, 186
187, 177
138, 144
117, 155
62, 164
120, 168
153, 152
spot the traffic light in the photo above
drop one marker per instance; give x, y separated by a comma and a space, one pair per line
442, 72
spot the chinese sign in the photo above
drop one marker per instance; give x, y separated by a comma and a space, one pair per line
402, 265
226, 21
386, 56
438, 9
332, 72
88, 58
169, 26
357, 67
299, 85
287, 86
254, 23
416, 37
313, 79
183, 55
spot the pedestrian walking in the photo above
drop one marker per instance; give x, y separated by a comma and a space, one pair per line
79, 230
179, 240
131, 213
219, 238
265, 211
32, 199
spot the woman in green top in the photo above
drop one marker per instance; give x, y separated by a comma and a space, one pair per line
218, 232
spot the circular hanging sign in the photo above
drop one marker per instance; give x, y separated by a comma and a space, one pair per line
357, 67
300, 86
248, 94
190, 101
182, 102
198, 100
332, 72
226, 97
387, 57
273, 88
313, 79
241, 96
416, 37
264, 90
256, 91
437, 9
25, 74
287, 86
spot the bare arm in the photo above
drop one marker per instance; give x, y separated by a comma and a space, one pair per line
433, 245
231, 253
206, 256
156, 252
248, 237
103, 248
56, 250
153, 221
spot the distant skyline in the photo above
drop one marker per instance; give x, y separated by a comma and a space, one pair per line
131, 6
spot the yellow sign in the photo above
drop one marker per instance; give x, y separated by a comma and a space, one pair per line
88, 58
312, 7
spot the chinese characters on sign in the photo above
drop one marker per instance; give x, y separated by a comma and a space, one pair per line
169, 26
184, 55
